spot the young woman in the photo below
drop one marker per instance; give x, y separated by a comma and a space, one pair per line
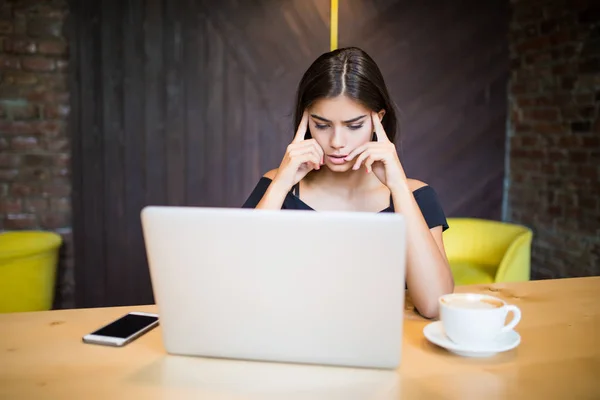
343, 157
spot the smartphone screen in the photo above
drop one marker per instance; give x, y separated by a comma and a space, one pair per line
126, 326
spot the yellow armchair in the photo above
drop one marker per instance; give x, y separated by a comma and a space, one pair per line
485, 251
28, 266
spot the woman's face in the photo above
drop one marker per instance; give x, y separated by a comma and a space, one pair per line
339, 125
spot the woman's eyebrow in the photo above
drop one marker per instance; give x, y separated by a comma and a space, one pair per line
315, 116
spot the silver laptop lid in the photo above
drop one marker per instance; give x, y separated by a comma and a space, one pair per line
289, 286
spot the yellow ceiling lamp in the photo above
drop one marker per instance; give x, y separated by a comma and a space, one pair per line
333, 35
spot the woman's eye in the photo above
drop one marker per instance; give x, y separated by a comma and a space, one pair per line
325, 126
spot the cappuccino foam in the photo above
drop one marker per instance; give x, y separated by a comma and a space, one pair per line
476, 303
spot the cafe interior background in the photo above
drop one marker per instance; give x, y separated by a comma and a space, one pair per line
111, 105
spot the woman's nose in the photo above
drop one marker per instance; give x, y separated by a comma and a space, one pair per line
337, 139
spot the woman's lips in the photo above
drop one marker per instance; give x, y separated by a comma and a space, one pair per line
337, 159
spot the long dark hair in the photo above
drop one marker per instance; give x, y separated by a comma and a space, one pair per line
352, 72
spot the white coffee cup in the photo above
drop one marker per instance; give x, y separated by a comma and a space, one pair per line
476, 319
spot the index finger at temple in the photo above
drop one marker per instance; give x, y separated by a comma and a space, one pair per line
379, 131
302, 128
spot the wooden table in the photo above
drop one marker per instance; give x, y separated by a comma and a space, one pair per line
42, 356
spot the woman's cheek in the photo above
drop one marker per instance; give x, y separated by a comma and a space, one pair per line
317, 134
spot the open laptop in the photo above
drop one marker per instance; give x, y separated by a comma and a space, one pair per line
285, 286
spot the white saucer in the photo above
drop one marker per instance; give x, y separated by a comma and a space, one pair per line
434, 332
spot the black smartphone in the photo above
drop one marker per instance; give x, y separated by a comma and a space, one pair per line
123, 330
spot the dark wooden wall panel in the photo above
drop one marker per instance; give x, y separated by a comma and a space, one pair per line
189, 102
133, 275
153, 98
195, 61
151, 143
181, 102
88, 154
113, 135
446, 64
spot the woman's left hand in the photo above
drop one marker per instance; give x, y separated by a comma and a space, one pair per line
380, 157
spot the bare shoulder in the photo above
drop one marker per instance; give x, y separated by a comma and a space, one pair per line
271, 174
415, 184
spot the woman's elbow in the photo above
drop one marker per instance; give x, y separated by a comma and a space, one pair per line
430, 306
429, 312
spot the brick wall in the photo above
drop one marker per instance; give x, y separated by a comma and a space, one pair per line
34, 146
554, 133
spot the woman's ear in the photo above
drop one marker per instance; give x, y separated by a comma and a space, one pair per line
381, 113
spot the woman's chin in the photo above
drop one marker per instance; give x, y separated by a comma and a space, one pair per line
339, 167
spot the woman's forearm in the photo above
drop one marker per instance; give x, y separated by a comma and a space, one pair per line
428, 275
273, 197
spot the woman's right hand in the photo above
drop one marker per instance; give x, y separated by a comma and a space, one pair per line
301, 157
